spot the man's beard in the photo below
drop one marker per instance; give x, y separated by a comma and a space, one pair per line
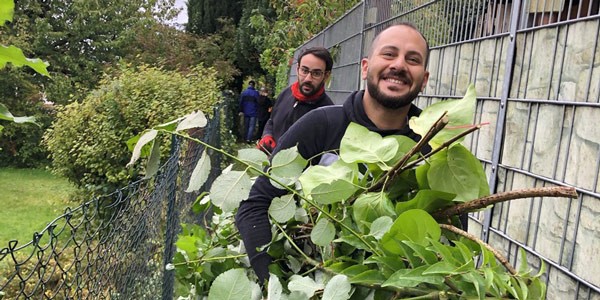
313, 91
391, 102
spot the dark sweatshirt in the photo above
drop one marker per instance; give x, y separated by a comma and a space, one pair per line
319, 130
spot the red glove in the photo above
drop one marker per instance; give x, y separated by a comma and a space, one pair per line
266, 144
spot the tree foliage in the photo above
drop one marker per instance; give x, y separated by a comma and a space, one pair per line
203, 15
379, 223
87, 141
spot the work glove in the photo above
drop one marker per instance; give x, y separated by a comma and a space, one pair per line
266, 144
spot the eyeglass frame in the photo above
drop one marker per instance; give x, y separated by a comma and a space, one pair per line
304, 71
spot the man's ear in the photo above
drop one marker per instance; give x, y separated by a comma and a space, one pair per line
364, 68
425, 80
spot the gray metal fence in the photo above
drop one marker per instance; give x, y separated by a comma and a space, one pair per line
536, 69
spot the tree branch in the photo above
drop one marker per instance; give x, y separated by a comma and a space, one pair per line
502, 197
498, 256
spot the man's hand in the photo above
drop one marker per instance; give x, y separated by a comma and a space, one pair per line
266, 144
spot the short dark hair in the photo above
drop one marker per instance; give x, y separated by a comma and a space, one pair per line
252, 83
321, 53
407, 24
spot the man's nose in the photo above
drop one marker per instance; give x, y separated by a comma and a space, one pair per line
398, 64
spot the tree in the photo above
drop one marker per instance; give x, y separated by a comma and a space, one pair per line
203, 15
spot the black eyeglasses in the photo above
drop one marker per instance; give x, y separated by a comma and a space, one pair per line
316, 74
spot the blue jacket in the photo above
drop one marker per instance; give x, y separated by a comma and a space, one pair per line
249, 102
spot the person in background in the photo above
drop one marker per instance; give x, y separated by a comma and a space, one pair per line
265, 104
306, 94
395, 73
248, 107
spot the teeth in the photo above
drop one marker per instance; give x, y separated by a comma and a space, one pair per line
394, 81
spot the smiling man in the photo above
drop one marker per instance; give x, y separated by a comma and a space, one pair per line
308, 93
396, 73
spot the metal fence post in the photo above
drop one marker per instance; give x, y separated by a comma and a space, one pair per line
172, 220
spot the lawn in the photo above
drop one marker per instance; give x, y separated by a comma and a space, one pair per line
29, 200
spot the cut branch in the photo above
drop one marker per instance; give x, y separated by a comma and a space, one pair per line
497, 254
502, 197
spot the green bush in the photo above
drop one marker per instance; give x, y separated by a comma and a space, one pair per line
87, 141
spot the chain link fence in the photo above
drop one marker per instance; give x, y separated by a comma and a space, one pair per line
115, 246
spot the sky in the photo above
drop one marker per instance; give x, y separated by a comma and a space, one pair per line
182, 18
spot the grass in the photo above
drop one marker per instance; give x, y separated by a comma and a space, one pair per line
29, 200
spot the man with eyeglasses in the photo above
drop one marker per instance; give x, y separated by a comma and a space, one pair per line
306, 94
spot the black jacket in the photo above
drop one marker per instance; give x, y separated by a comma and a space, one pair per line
287, 110
320, 130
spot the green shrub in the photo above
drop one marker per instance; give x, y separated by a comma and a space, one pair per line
87, 141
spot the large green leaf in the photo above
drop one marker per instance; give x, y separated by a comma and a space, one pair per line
282, 209
286, 166
6, 115
323, 233
7, 8
338, 288
404, 145
230, 189
153, 161
414, 225
369, 277
254, 158
146, 137
304, 285
275, 290
362, 145
193, 120
200, 173
456, 170
460, 115
15, 56
412, 277
370, 206
380, 226
329, 184
231, 285
426, 200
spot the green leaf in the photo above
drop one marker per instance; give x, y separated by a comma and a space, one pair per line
304, 285
380, 226
193, 120
362, 145
286, 166
153, 161
426, 200
230, 189
275, 290
7, 8
460, 114
323, 233
370, 206
405, 144
200, 173
354, 270
231, 285
254, 158
282, 209
146, 137
369, 277
411, 278
338, 288
456, 170
14, 55
414, 225
6, 115
329, 184
425, 254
